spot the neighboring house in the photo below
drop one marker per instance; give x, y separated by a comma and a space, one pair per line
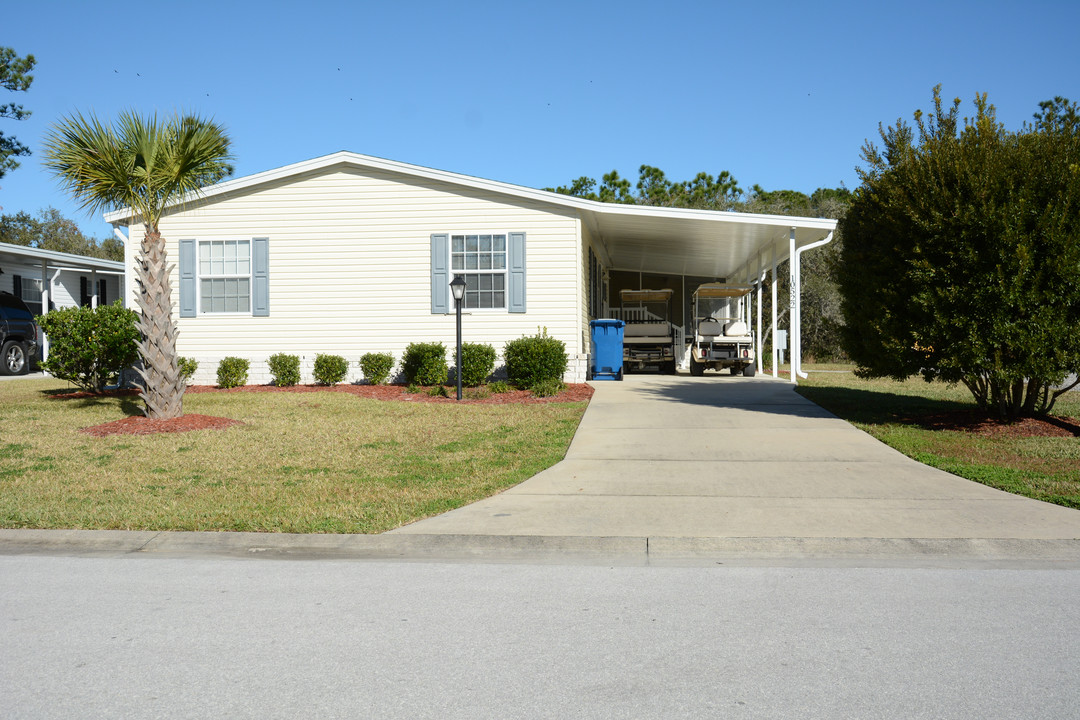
349, 254
46, 279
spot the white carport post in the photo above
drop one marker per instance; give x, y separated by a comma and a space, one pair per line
94, 289
772, 287
793, 303
45, 288
757, 335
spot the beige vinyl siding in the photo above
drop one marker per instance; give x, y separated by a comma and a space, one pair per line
350, 267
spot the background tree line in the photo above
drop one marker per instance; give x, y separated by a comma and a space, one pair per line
50, 230
822, 318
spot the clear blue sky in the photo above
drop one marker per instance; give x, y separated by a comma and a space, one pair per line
782, 94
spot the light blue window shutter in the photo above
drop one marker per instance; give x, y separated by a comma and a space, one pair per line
260, 277
187, 278
440, 274
516, 274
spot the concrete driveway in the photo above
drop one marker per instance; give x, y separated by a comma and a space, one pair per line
730, 462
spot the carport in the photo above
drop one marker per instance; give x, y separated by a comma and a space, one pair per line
708, 245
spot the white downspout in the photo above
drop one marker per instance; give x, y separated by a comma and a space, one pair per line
796, 346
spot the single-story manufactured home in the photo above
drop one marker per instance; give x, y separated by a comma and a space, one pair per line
349, 254
47, 279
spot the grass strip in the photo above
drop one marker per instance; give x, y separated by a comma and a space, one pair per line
311, 462
1043, 468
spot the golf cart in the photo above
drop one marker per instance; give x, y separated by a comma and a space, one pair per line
722, 338
648, 337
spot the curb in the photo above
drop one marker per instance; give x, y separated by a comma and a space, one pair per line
784, 551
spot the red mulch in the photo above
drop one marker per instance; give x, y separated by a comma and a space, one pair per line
986, 425
139, 425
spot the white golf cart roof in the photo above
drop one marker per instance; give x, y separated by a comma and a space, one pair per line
645, 295
722, 290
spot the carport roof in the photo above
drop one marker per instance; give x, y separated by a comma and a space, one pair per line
61, 260
634, 237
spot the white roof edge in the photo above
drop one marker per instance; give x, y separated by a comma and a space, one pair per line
62, 257
349, 158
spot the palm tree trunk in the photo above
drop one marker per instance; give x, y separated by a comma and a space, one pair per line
162, 385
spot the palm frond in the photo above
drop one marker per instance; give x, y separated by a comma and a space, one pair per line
143, 163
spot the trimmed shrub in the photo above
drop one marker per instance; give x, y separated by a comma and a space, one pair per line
477, 362
425, 364
90, 347
376, 367
188, 366
330, 369
499, 387
531, 360
232, 372
441, 391
548, 387
285, 369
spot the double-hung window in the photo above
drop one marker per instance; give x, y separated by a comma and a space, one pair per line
225, 276
481, 260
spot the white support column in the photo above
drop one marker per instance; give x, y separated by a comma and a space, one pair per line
46, 286
94, 289
793, 303
775, 333
758, 341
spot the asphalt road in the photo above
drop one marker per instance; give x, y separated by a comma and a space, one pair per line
154, 637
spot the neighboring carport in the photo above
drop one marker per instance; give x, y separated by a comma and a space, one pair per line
34, 275
702, 244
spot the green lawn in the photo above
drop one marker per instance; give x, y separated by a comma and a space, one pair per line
301, 462
1045, 468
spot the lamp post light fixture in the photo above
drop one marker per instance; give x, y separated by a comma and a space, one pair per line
457, 287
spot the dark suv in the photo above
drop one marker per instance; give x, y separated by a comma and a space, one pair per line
18, 336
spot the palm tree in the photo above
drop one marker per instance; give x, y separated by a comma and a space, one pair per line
146, 165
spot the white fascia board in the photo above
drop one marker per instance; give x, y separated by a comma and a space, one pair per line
119, 217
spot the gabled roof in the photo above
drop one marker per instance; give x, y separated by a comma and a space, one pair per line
636, 237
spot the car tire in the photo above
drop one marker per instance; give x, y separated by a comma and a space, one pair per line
749, 370
619, 375
13, 359
697, 369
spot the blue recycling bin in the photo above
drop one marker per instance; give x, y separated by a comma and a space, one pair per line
607, 349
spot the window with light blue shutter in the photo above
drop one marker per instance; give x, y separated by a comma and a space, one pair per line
516, 272
440, 273
187, 278
260, 277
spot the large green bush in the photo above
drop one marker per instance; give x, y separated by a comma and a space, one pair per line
425, 364
477, 362
285, 369
232, 372
376, 367
961, 256
330, 369
90, 347
531, 360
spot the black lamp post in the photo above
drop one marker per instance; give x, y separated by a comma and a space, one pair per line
457, 286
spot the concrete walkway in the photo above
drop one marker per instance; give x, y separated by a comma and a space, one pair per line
723, 461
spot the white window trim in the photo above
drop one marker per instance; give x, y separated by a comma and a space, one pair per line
505, 270
199, 311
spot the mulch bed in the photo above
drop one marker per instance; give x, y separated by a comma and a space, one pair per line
139, 425
979, 423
